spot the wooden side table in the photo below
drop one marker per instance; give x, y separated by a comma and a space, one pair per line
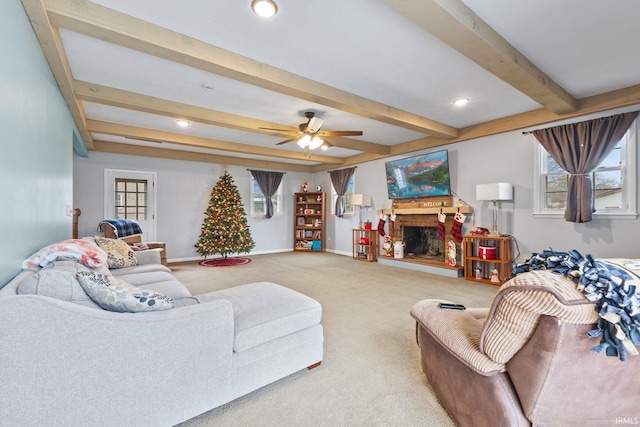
365, 244
485, 254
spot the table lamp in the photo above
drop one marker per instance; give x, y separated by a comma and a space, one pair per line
494, 192
360, 200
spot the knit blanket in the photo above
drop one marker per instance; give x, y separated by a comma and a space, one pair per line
613, 284
122, 227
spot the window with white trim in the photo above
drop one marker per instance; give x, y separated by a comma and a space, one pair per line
131, 198
258, 200
348, 207
613, 181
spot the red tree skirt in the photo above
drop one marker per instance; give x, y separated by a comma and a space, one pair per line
224, 262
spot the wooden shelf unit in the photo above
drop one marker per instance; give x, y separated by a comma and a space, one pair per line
472, 260
365, 244
309, 223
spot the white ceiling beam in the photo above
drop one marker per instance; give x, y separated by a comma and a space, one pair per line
106, 24
191, 156
92, 92
459, 27
145, 134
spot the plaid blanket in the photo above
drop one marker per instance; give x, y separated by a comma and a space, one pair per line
122, 227
614, 286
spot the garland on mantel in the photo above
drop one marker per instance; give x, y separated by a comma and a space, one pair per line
613, 290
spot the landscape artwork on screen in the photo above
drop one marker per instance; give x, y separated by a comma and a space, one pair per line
425, 175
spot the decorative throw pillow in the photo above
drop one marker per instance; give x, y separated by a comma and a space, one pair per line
57, 284
119, 253
114, 294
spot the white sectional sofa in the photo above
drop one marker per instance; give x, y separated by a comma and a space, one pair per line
69, 362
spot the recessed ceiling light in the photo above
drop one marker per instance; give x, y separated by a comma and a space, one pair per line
460, 101
183, 123
264, 8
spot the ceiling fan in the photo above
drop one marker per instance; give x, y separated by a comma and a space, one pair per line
310, 136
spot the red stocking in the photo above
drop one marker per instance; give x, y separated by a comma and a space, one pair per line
383, 219
441, 219
456, 230
392, 224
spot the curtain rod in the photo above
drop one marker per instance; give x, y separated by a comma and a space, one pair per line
352, 167
264, 170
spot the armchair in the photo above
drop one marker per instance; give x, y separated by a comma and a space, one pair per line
526, 360
130, 232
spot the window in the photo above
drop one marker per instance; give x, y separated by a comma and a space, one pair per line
131, 198
348, 207
258, 200
613, 181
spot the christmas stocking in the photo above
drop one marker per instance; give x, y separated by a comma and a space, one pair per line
383, 219
392, 224
441, 219
456, 230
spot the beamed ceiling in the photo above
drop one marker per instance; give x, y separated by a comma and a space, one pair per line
389, 68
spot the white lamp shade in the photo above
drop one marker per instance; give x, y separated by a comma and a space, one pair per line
304, 141
361, 200
494, 191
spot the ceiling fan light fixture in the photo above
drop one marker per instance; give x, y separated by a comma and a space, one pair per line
264, 8
459, 102
315, 143
304, 142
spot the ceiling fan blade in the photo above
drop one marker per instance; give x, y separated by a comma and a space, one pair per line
340, 133
276, 130
287, 140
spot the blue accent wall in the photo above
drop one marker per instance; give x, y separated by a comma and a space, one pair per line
36, 146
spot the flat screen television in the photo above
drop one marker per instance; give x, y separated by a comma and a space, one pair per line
425, 175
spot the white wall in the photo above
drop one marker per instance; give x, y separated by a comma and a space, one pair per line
36, 183
183, 192
509, 157
184, 188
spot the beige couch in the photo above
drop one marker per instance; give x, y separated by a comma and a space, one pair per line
66, 361
526, 360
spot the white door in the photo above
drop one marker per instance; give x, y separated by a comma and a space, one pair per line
131, 195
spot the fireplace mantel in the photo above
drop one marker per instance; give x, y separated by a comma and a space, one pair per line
426, 211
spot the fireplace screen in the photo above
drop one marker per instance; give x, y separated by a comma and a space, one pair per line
423, 242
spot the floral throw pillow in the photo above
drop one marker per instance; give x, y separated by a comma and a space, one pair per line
114, 294
119, 253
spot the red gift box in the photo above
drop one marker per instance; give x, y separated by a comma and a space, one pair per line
364, 240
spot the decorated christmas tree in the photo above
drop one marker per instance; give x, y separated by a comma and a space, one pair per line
224, 230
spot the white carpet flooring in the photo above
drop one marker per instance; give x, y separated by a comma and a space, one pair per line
371, 374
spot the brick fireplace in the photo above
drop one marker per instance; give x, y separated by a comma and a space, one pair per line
416, 225
419, 232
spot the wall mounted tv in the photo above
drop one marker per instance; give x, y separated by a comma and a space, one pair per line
425, 175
